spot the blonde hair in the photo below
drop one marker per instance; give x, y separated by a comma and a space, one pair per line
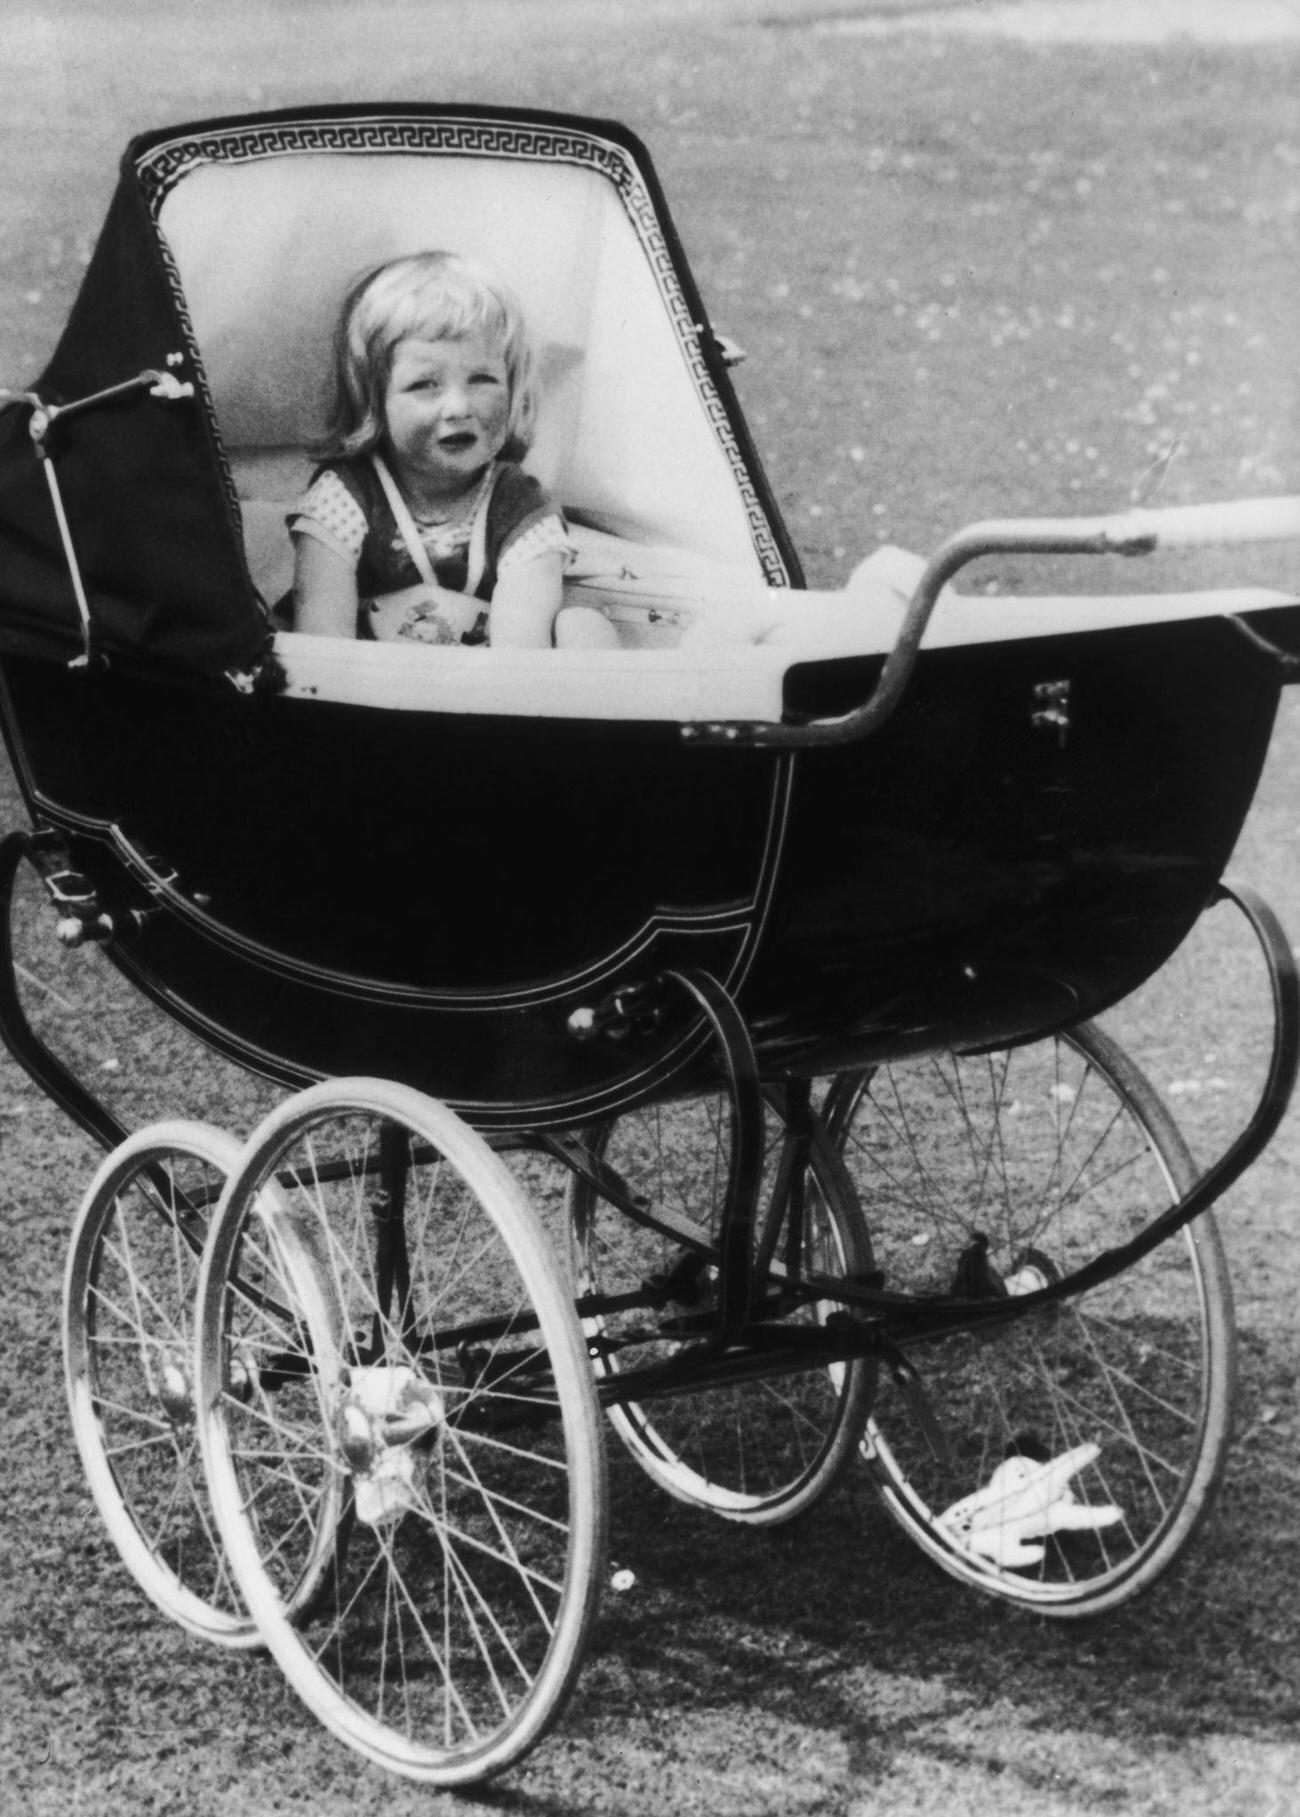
437, 296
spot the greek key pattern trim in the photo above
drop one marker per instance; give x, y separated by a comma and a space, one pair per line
160, 169
196, 364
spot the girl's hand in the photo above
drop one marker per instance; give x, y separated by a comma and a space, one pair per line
424, 614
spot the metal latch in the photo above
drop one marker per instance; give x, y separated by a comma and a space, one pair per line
1053, 709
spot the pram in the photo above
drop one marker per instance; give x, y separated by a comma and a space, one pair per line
779, 930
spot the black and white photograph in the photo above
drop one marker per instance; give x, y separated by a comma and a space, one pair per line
650, 903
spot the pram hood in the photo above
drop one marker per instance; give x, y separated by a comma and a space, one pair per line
229, 243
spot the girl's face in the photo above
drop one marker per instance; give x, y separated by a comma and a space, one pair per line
446, 411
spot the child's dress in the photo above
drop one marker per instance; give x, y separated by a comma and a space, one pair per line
353, 506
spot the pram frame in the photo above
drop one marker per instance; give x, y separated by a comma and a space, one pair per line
716, 999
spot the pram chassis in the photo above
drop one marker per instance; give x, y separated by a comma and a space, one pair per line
950, 853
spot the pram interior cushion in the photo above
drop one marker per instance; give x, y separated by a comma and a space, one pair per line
266, 251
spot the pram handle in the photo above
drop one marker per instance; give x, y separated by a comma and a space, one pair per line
1249, 520
1126, 533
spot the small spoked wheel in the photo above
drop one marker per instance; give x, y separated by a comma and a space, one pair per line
382, 1319
759, 1449
128, 1330
1087, 1438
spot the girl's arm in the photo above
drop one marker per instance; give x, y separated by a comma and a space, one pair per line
324, 590
525, 601
326, 600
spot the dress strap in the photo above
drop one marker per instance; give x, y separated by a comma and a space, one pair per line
477, 553
405, 523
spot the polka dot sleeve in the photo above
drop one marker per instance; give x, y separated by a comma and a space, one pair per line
329, 512
547, 536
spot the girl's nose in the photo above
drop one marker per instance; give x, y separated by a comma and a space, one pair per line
455, 401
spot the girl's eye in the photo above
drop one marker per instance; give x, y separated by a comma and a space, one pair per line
485, 378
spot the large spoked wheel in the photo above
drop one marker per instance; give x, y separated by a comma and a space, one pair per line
128, 1341
758, 1450
1088, 1437
381, 1316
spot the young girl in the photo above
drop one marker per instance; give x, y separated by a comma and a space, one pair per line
421, 524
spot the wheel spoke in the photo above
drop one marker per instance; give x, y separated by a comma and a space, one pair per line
128, 1323
757, 1451
465, 1574
1040, 1158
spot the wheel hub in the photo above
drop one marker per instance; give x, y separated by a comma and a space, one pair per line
385, 1412
176, 1390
